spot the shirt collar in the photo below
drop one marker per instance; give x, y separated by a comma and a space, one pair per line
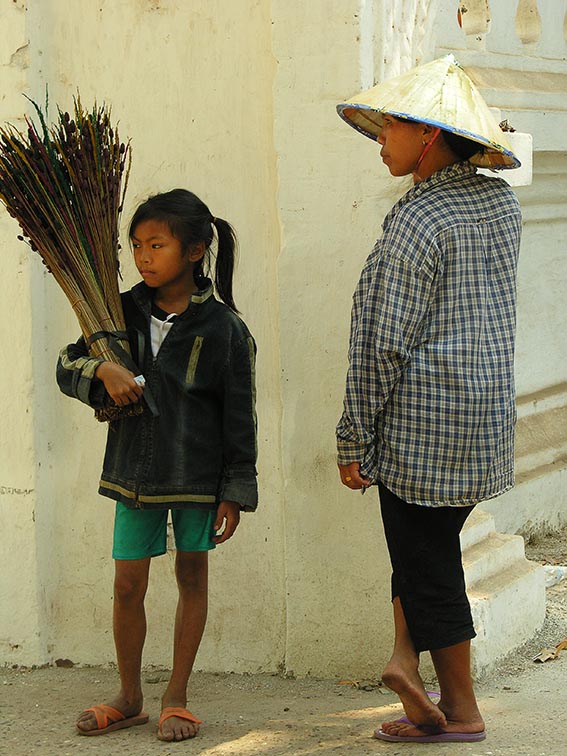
448, 173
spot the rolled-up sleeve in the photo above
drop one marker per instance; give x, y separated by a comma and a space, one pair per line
239, 482
76, 375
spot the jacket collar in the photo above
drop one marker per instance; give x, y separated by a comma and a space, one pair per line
143, 295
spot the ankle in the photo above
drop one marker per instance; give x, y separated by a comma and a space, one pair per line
174, 698
462, 712
402, 664
131, 696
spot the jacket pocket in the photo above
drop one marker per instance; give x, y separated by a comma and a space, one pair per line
193, 360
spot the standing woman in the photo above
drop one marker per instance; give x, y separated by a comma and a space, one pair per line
429, 407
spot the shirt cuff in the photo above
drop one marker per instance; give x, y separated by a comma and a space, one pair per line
349, 452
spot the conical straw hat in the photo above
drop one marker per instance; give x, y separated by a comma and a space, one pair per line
439, 93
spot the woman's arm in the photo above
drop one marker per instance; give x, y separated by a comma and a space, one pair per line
390, 322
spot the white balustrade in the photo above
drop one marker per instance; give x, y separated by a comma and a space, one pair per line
474, 17
528, 22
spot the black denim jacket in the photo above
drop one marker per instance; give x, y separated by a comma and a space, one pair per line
201, 447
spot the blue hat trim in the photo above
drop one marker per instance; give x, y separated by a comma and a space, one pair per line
437, 124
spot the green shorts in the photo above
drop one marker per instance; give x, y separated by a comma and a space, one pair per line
142, 533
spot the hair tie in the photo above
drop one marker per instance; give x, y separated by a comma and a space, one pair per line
213, 220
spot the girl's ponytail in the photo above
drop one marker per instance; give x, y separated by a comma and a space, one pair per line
225, 262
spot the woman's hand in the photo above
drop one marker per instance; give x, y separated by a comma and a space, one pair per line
351, 477
228, 513
119, 383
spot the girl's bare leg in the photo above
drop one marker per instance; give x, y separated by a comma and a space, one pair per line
129, 624
191, 569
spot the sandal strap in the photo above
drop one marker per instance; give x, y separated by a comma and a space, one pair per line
105, 715
178, 711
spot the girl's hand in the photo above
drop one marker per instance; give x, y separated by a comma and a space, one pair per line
228, 513
351, 477
119, 383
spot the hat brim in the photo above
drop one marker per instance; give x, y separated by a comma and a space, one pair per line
368, 121
441, 94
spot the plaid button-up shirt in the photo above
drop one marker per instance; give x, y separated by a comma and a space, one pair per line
429, 406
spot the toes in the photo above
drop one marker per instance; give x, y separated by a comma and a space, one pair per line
168, 731
188, 730
86, 722
400, 729
174, 729
391, 728
183, 733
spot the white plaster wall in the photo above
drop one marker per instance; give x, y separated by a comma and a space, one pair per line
236, 101
184, 82
542, 280
311, 548
332, 198
21, 616
536, 505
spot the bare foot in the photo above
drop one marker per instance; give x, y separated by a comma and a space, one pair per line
407, 729
406, 682
175, 728
86, 721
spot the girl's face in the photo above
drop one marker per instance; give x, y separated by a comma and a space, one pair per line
402, 145
159, 257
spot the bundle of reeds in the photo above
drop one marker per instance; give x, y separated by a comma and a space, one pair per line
65, 186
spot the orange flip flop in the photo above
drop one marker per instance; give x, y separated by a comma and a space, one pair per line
175, 711
109, 719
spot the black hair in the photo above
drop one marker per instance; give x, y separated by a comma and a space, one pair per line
460, 145
191, 221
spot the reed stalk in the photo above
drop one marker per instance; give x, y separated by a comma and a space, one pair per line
65, 186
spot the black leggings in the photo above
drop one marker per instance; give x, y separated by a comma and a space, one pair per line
427, 570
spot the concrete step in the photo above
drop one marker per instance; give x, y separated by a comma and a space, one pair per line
506, 592
491, 556
478, 525
508, 608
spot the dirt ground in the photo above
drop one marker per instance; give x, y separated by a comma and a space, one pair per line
524, 704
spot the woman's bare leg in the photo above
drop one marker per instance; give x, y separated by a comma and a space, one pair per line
402, 676
458, 702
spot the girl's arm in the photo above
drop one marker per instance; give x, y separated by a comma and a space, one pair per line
119, 383
89, 379
228, 514
76, 375
238, 483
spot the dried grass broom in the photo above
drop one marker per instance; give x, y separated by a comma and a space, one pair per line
65, 186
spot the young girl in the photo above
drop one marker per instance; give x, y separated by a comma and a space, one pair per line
194, 454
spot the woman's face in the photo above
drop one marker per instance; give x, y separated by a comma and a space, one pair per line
402, 144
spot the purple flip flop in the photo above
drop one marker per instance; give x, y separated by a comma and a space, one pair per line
439, 737
434, 696
433, 737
